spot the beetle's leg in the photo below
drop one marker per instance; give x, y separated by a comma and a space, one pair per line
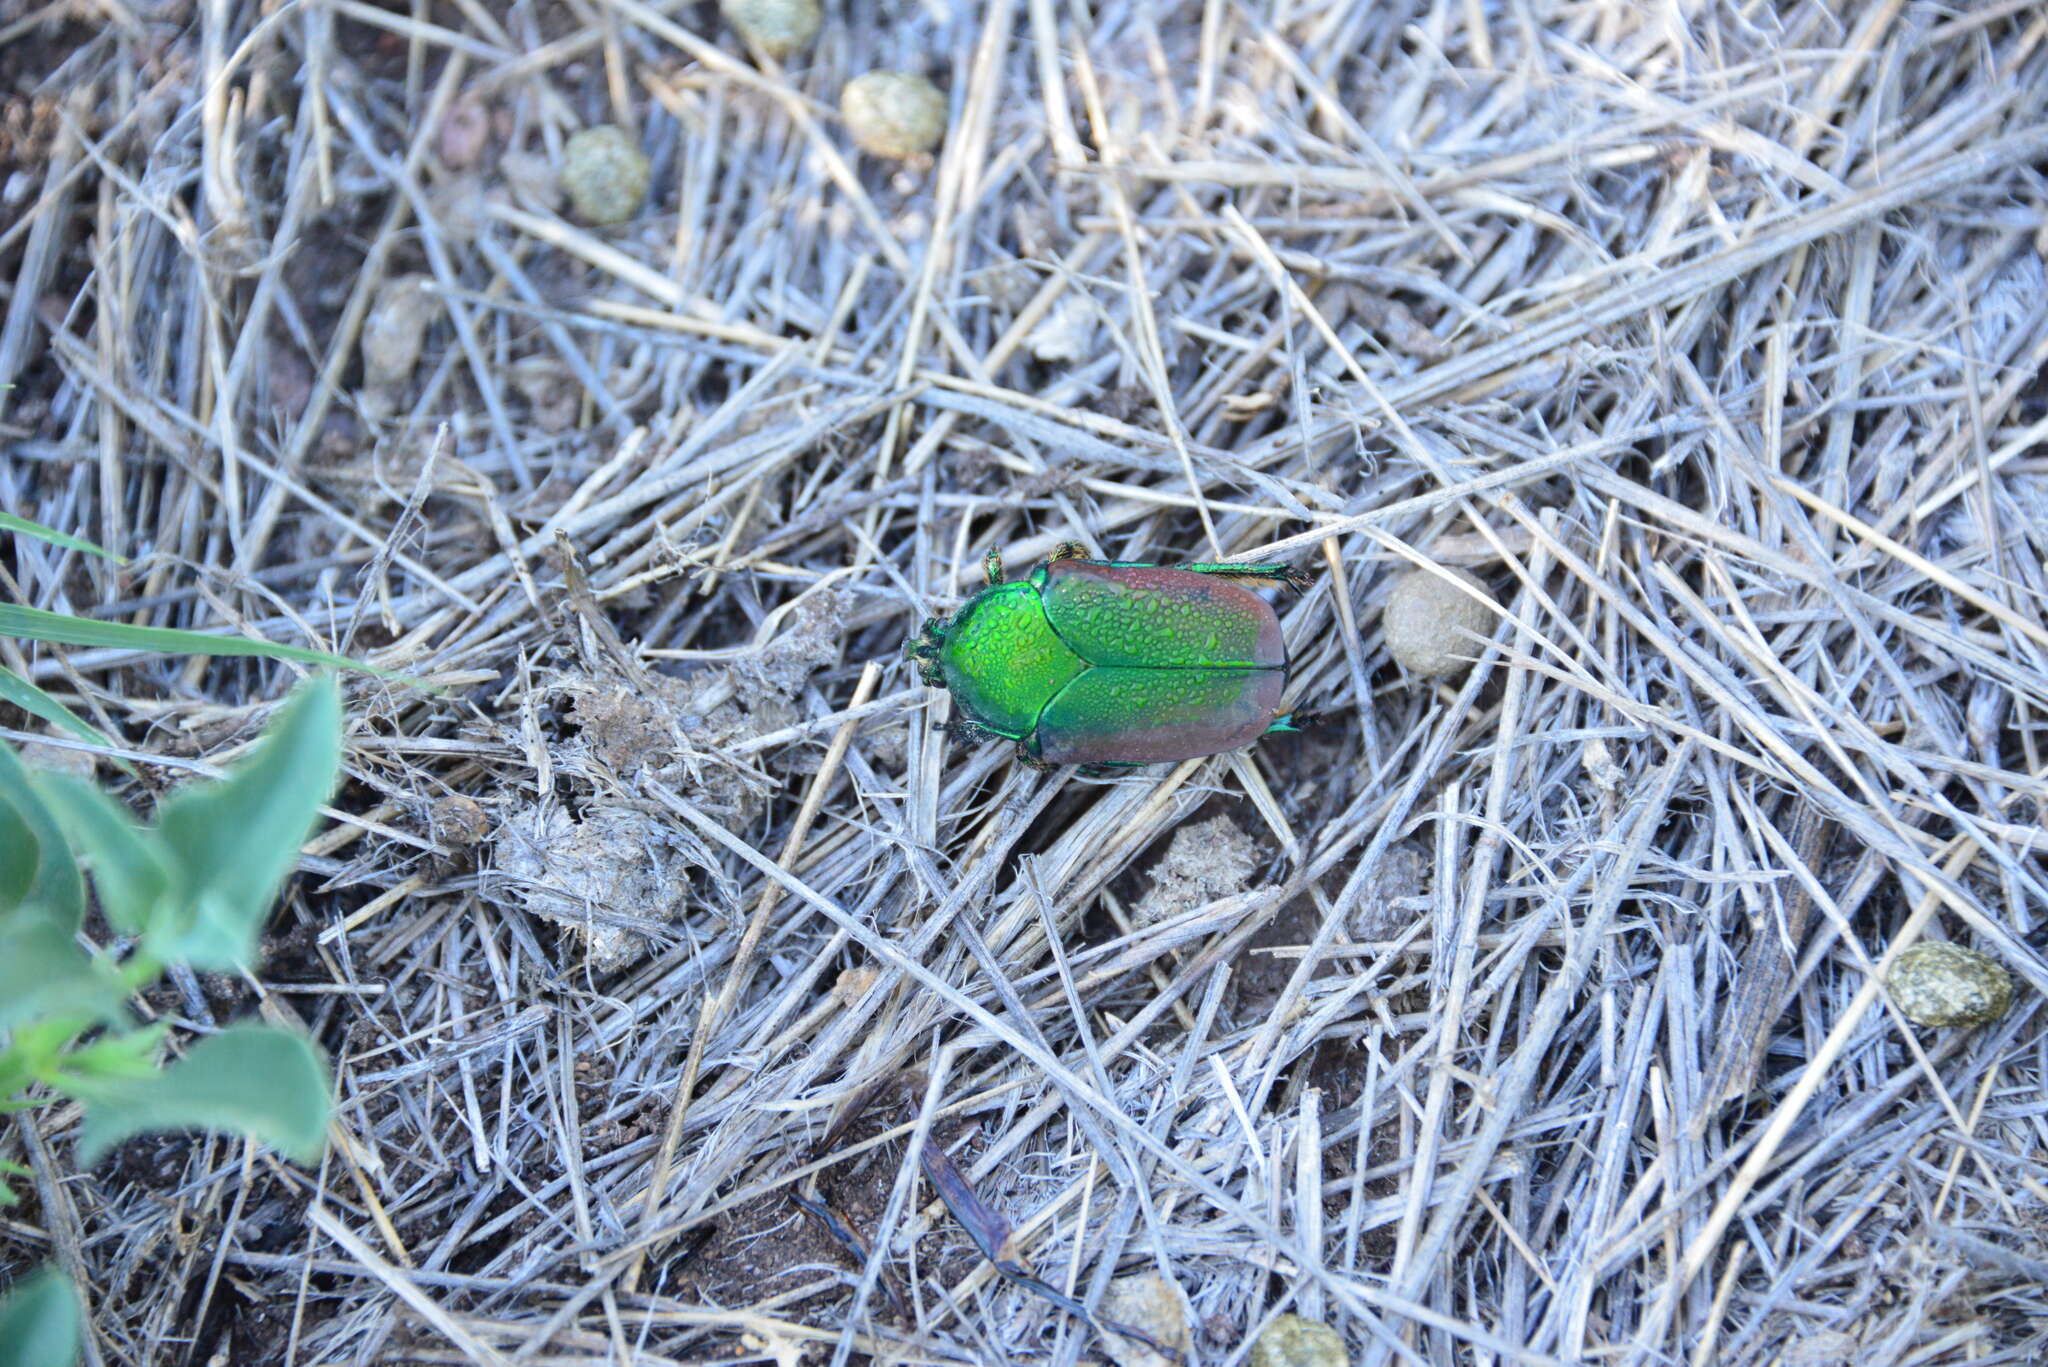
923, 650
969, 732
992, 567
1295, 579
1030, 758
1109, 768
1296, 721
1067, 550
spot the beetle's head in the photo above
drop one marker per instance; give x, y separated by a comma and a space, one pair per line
924, 649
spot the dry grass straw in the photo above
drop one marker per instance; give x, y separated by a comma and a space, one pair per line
1545, 1026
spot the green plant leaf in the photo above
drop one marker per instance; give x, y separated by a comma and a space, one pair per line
39, 1324
248, 1079
21, 854
55, 893
37, 703
232, 842
10, 523
43, 973
59, 628
130, 865
114, 1057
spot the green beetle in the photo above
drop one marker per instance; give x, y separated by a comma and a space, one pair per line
1110, 664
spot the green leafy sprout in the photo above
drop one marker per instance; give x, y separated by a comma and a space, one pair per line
194, 887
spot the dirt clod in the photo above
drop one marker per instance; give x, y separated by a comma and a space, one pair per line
778, 27
1203, 862
460, 820
1154, 1304
465, 134
609, 878
395, 331
1292, 1341
1433, 627
893, 113
1939, 984
605, 174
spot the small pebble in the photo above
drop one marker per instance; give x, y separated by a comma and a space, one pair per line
853, 983
893, 113
57, 759
604, 173
458, 820
1939, 984
464, 135
1292, 1341
396, 329
459, 207
1149, 1302
1067, 332
532, 175
777, 27
1432, 627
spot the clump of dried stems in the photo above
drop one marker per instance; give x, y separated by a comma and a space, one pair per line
1546, 1026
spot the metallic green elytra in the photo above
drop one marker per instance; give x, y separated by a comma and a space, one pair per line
1107, 663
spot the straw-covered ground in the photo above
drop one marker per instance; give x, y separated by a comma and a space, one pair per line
674, 965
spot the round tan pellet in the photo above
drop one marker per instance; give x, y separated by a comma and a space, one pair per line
893, 113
